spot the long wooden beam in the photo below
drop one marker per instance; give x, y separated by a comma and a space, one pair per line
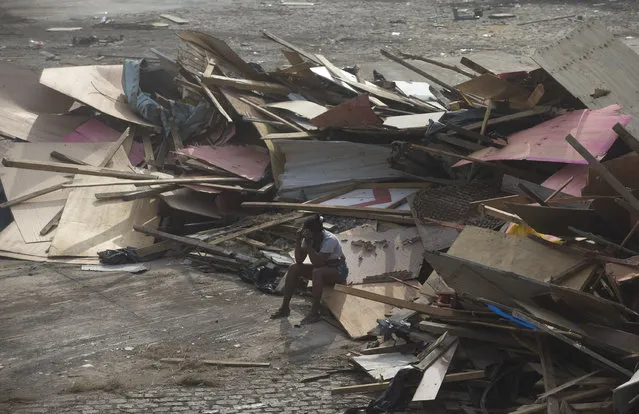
60, 167
33, 195
321, 208
159, 181
604, 173
248, 85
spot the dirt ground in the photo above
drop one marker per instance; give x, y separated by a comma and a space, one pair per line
63, 330
347, 31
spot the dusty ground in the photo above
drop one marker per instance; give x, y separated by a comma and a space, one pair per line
73, 341
65, 333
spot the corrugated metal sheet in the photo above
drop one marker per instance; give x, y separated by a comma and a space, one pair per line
590, 58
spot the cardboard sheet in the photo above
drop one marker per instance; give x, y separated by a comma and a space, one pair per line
358, 315
547, 141
97, 86
31, 111
89, 225
245, 161
31, 216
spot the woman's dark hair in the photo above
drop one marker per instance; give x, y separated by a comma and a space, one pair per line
314, 223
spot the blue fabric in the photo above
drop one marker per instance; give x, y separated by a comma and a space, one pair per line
188, 118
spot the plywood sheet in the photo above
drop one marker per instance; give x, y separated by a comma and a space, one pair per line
31, 111
247, 161
358, 315
516, 254
89, 225
11, 241
97, 86
31, 216
393, 252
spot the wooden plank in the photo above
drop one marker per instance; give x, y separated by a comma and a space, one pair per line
626, 137
437, 151
290, 135
242, 364
548, 373
149, 156
321, 208
417, 70
173, 18
253, 229
53, 223
113, 147
162, 246
381, 386
215, 101
271, 114
434, 375
248, 85
604, 173
291, 46
66, 158
568, 384
189, 241
538, 110
480, 334
474, 66
558, 190
33, 195
72, 169
136, 195
399, 303
575, 344
158, 181
373, 90
458, 142
437, 63
578, 396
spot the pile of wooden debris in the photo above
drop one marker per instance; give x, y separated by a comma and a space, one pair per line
519, 177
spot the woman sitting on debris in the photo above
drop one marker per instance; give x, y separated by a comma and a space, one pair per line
328, 266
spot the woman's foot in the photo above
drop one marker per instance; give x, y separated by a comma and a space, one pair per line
281, 313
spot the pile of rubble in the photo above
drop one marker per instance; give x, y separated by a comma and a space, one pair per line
519, 178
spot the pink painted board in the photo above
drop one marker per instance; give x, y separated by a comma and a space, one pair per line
96, 131
579, 173
547, 141
93, 131
246, 161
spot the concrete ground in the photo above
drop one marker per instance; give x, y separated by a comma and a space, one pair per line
77, 341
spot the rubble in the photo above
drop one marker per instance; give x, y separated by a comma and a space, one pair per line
494, 254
